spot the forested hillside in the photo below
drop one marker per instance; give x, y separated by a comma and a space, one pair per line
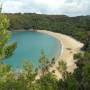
57, 23
77, 27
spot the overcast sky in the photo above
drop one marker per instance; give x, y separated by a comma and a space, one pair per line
66, 7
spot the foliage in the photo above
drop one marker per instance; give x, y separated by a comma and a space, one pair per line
44, 62
69, 83
4, 34
9, 49
4, 69
62, 67
82, 73
77, 27
77, 56
48, 82
5, 50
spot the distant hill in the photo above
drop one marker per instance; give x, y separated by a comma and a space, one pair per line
77, 27
49, 22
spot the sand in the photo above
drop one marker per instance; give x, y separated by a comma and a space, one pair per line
70, 46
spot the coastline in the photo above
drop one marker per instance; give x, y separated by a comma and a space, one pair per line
70, 46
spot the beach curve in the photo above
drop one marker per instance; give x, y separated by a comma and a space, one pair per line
70, 46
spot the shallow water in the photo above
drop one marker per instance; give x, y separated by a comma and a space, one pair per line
29, 46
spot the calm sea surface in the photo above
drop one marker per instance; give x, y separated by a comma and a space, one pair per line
29, 47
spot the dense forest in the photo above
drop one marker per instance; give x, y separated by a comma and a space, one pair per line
77, 27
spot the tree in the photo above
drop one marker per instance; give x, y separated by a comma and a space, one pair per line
48, 82
62, 67
4, 36
43, 63
9, 49
29, 75
68, 83
86, 77
82, 73
5, 70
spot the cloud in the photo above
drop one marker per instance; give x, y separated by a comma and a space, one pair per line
12, 6
67, 7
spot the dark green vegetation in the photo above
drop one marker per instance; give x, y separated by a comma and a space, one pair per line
77, 27
5, 50
9, 49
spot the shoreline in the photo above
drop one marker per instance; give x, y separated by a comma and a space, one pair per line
69, 46
40, 31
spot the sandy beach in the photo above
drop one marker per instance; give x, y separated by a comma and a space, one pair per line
70, 46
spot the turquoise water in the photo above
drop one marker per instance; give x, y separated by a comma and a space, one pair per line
29, 46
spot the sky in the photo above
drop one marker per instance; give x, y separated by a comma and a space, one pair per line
60, 7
